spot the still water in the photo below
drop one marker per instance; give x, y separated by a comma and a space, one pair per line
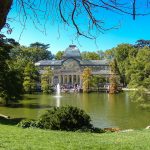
105, 110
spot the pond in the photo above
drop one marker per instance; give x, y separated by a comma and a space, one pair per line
105, 110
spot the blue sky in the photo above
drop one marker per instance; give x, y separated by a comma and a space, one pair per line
129, 31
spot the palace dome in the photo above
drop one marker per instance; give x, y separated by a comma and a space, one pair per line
72, 52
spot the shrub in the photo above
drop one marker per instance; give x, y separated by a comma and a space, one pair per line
65, 118
27, 123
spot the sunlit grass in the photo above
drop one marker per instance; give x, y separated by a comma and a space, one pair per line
14, 138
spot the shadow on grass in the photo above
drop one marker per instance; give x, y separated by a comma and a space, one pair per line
11, 121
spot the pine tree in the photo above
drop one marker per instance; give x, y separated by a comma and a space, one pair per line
30, 78
86, 79
113, 88
46, 80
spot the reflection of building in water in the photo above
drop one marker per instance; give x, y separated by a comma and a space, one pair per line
68, 70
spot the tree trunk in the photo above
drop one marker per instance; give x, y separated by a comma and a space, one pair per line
4, 116
5, 6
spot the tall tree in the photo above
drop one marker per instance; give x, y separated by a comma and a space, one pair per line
30, 78
142, 43
46, 80
10, 82
139, 72
40, 51
40, 45
22, 55
113, 80
86, 79
4, 69
90, 56
121, 54
140, 69
59, 55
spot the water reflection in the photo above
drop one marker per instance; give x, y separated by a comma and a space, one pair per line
57, 101
105, 110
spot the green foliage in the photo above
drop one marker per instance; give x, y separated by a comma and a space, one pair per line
90, 56
121, 53
109, 54
10, 82
96, 80
140, 69
145, 106
46, 80
113, 84
39, 51
30, 78
21, 55
64, 118
14, 85
27, 123
141, 96
132, 65
4, 69
59, 55
86, 79
142, 43
114, 77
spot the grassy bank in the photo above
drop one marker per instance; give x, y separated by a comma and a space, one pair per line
14, 138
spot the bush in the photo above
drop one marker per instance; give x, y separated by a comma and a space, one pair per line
65, 118
27, 123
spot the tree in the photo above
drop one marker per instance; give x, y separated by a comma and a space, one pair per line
121, 54
10, 82
113, 84
21, 55
113, 80
70, 12
140, 69
30, 78
101, 54
139, 72
86, 79
46, 80
4, 69
59, 55
5, 6
39, 51
40, 45
142, 43
90, 56
96, 80
109, 54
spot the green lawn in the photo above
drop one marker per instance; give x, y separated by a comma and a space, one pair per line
14, 138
